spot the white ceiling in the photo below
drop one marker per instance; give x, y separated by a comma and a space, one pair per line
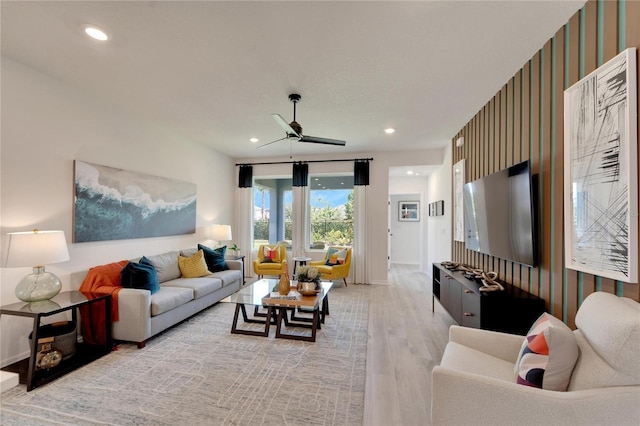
213, 72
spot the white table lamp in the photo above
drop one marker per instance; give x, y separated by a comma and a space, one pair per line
221, 233
37, 248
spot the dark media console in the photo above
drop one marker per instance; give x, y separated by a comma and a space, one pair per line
510, 311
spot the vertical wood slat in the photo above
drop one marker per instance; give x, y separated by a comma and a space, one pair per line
525, 272
517, 141
545, 172
491, 143
534, 150
609, 50
502, 264
590, 64
571, 299
558, 171
509, 154
632, 37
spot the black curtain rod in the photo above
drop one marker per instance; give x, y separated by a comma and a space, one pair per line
308, 161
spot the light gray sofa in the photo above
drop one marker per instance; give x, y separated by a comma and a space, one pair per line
142, 315
475, 383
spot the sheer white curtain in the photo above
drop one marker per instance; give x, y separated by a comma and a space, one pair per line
244, 209
300, 231
360, 269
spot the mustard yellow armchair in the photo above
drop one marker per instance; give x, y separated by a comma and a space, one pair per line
271, 260
339, 268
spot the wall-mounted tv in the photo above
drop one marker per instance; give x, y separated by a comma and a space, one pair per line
499, 215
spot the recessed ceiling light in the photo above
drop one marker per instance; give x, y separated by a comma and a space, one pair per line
316, 178
389, 130
409, 172
254, 140
96, 33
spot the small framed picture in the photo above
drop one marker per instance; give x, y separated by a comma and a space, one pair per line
440, 208
409, 211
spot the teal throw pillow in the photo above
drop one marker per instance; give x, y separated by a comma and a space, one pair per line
214, 258
140, 275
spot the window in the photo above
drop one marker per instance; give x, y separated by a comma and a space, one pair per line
330, 211
272, 211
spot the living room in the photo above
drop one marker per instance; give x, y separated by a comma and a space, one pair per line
48, 123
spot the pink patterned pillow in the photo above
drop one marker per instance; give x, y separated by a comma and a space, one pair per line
548, 354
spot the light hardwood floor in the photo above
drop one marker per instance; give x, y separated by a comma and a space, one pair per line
406, 340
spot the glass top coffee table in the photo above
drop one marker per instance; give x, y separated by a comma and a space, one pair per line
265, 293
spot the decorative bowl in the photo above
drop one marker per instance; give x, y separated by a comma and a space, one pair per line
308, 288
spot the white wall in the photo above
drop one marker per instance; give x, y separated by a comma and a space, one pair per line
45, 127
406, 237
440, 228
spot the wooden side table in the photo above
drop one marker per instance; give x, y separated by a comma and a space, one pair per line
85, 353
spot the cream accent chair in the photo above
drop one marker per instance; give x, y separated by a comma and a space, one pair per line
475, 383
335, 272
271, 268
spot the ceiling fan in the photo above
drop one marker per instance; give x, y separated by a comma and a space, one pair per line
294, 130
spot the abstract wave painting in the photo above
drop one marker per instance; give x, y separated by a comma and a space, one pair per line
116, 204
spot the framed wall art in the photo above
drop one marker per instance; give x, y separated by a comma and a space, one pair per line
600, 171
408, 211
458, 208
116, 204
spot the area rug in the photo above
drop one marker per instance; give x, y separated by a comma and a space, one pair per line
198, 373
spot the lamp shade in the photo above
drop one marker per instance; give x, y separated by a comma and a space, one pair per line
36, 248
221, 232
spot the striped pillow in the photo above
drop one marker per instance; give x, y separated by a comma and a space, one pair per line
548, 354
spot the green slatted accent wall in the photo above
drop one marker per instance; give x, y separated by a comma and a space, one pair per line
524, 120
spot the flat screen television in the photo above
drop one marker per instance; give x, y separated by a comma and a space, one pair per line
499, 215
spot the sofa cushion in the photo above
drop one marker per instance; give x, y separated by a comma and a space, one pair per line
141, 276
214, 258
229, 276
200, 286
166, 265
169, 298
463, 358
548, 354
194, 266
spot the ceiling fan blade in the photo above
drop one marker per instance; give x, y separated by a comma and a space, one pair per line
287, 128
269, 143
325, 141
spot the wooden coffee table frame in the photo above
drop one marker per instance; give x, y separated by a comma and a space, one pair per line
319, 304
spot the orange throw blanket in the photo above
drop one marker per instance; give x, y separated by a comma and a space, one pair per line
103, 279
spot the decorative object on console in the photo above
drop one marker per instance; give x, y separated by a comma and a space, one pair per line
37, 248
115, 204
601, 171
234, 247
409, 211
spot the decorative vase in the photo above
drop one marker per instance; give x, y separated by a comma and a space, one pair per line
284, 285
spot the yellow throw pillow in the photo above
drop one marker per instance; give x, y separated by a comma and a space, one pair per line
194, 266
